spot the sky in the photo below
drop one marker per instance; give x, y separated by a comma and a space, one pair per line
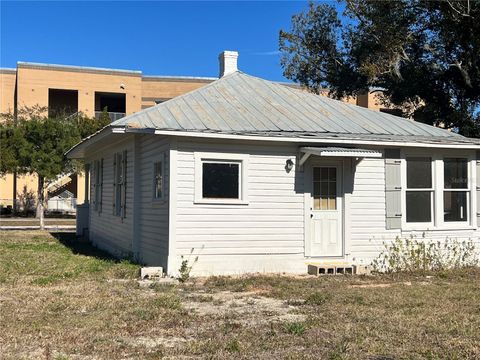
158, 38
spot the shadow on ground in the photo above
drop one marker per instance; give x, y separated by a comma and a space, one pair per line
79, 246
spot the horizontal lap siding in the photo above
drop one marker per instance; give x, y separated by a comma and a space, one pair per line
272, 222
367, 215
367, 210
153, 218
107, 230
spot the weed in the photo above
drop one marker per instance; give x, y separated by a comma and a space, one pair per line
358, 300
61, 357
144, 314
230, 326
155, 355
201, 298
317, 298
295, 328
168, 301
413, 255
186, 267
233, 346
340, 351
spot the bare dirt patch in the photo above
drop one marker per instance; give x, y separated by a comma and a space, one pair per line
249, 307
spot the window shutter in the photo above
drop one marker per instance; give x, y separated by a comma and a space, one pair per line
101, 187
114, 182
94, 185
393, 189
477, 187
124, 197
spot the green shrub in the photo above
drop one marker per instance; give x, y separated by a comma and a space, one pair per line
412, 254
295, 328
233, 346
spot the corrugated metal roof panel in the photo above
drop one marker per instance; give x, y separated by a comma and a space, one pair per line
340, 152
243, 104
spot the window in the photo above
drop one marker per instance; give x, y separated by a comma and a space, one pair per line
455, 189
419, 192
437, 191
98, 184
221, 178
158, 180
325, 188
119, 184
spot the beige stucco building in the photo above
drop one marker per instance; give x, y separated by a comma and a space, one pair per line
89, 90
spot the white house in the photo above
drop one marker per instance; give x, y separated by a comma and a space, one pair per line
256, 176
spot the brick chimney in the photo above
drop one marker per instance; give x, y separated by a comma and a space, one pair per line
228, 62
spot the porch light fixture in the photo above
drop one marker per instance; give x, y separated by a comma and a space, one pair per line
289, 165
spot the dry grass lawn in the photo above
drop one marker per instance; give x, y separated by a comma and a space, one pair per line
63, 300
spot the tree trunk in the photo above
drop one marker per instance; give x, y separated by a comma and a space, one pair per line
15, 208
40, 202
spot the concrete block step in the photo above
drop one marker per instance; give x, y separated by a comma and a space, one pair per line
330, 269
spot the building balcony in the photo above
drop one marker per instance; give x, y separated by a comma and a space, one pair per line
112, 115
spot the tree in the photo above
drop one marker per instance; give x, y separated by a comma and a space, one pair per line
12, 143
35, 143
422, 57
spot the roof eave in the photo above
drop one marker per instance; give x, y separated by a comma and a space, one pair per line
320, 140
78, 150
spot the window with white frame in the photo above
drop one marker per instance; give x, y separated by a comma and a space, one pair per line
221, 178
419, 192
98, 184
158, 180
456, 192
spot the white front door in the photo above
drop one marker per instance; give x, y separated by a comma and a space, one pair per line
326, 233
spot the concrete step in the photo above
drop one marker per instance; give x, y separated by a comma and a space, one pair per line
337, 268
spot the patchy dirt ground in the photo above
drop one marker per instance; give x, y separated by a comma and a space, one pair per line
250, 307
64, 300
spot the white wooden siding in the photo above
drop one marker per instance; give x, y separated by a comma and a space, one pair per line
270, 229
270, 226
108, 231
153, 214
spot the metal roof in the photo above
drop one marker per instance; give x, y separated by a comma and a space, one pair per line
334, 151
340, 151
242, 104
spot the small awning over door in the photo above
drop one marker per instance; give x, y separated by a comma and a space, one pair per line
337, 152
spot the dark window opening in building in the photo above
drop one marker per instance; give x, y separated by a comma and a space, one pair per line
396, 112
62, 102
113, 103
161, 100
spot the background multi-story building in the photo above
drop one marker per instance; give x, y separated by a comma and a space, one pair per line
88, 90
